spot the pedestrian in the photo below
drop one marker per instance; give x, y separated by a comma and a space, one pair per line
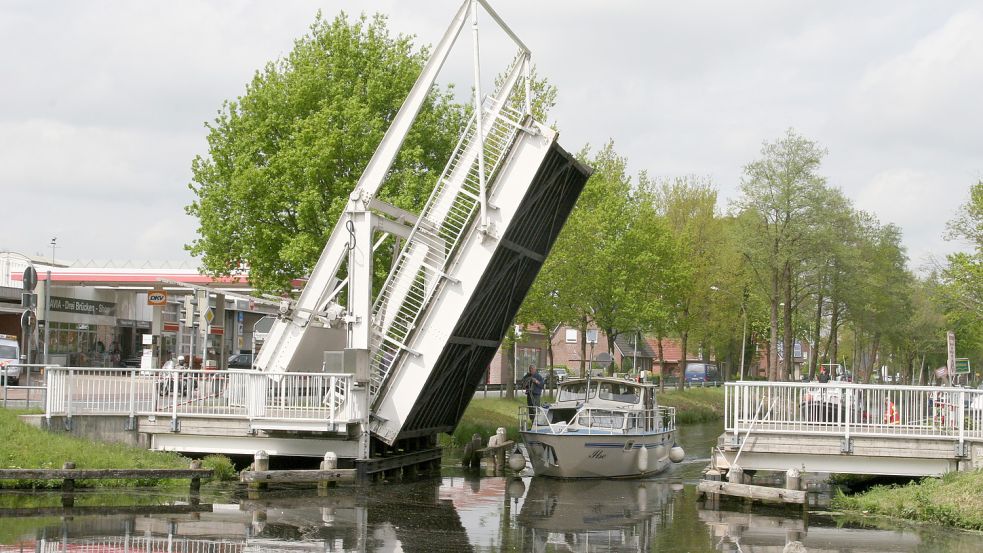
823, 377
533, 384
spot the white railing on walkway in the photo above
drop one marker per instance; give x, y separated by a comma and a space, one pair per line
238, 394
847, 409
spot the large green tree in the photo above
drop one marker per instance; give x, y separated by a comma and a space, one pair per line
778, 211
283, 157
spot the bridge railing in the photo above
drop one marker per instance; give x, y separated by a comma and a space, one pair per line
240, 394
848, 409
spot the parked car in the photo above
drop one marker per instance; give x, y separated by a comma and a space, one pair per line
10, 355
240, 361
559, 375
702, 374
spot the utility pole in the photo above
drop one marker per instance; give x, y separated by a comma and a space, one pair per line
47, 302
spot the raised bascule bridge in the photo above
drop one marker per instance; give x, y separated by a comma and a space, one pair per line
376, 377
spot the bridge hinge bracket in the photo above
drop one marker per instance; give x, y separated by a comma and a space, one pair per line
962, 449
846, 446
130, 424
68, 423
175, 425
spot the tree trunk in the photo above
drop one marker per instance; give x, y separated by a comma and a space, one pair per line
662, 364
583, 346
788, 333
682, 360
509, 377
612, 335
834, 326
816, 336
921, 372
773, 321
549, 356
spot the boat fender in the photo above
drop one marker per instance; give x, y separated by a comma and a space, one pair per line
642, 498
676, 454
643, 459
516, 488
517, 461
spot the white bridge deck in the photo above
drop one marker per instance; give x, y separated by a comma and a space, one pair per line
233, 411
851, 428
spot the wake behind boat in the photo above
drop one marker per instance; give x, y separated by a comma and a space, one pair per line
601, 428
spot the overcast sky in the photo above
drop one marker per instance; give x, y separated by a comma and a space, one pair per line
103, 103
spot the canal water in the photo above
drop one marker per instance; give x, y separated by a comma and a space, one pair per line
458, 512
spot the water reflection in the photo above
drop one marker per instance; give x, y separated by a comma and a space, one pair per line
595, 515
454, 513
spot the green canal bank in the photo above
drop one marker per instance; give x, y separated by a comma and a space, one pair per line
27, 447
955, 500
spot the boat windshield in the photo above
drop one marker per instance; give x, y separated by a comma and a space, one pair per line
623, 393
575, 391
598, 418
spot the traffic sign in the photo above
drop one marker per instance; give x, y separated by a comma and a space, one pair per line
950, 338
209, 315
962, 366
28, 321
30, 278
157, 297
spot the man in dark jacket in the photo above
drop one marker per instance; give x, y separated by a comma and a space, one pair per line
533, 383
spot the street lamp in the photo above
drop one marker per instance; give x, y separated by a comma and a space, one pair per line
744, 319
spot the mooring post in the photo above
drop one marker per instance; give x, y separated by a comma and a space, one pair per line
793, 479
195, 480
330, 462
68, 486
261, 462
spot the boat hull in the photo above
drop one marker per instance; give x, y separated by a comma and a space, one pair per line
577, 455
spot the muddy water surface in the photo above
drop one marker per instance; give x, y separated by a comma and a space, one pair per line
457, 512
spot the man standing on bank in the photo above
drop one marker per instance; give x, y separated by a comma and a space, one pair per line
534, 384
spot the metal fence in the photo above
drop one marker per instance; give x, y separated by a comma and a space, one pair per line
847, 409
240, 394
30, 389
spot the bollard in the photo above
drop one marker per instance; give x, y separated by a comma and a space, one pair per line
475, 446
735, 475
330, 462
195, 480
793, 479
261, 462
68, 487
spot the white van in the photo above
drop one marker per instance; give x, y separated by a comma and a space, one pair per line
10, 355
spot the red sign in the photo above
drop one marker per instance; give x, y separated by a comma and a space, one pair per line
216, 330
171, 327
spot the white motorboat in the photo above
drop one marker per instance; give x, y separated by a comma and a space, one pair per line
601, 428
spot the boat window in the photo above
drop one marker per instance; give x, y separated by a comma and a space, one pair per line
614, 391
576, 391
597, 418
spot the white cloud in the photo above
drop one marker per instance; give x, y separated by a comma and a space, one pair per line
101, 111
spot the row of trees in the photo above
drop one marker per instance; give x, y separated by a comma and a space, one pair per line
659, 257
639, 255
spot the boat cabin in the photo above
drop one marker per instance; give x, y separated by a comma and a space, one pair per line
604, 403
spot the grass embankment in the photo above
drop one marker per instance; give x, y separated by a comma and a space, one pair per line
954, 500
484, 415
25, 446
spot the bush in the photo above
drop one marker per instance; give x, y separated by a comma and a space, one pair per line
222, 465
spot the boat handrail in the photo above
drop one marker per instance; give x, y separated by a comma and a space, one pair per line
632, 421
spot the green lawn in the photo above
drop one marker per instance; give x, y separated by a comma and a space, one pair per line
954, 500
25, 446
